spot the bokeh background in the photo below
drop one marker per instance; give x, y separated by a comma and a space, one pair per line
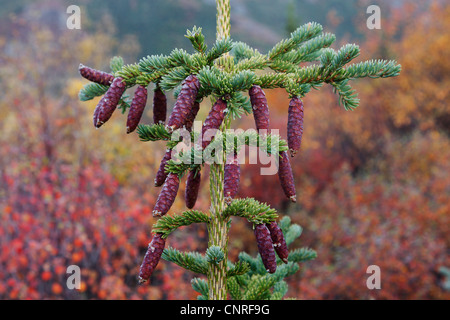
373, 184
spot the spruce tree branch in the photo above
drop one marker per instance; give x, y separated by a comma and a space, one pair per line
116, 64
252, 210
220, 47
197, 39
91, 91
302, 255
259, 286
155, 132
201, 286
192, 261
168, 224
302, 34
240, 268
242, 51
234, 288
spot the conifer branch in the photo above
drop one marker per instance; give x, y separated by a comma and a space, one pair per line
252, 210
200, 286
167, 224
220, 47
192, 261
116, 64
259, 287
155, 132
240, 268
234, 289
197, 39
214, 255
91, 91
302, 255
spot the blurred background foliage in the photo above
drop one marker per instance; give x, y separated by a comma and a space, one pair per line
373, 184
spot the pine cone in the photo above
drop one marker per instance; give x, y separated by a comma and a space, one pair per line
137, 108
97, 76
192, 188
159, 106
286, 176
192, 115
232, 177
278, 241
295, 125
108, 104
167, 196
213, 120
184, 104
97, 111
260, 108
161, 175
151, 258
265, 248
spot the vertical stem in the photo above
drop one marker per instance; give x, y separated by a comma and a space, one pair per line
218, 226
223, 19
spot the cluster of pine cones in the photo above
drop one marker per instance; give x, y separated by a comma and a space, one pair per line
270, 237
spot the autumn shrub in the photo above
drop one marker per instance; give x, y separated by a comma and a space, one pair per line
375, 181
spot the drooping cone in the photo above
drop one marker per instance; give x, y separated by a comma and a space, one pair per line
265, 248
137, 108
232, 176
161, 175
192, 115
213, 121
286, 177
108, 104
278, 241
167, 196
152, 257
97, 111
184, 104
192, 188
260, 108
159, 106
96, 76
295, 125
